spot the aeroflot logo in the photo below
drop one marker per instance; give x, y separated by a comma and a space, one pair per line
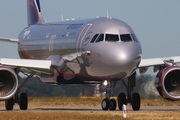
74, 26
87, 38
26, 33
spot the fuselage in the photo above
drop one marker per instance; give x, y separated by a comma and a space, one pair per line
96, 49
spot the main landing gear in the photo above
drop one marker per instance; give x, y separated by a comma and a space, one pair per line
21, 99
132, 98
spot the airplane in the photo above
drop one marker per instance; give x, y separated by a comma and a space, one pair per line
100, 50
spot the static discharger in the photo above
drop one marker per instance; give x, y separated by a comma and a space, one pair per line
124, 110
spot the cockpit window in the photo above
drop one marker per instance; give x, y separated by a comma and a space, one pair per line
112, 38
126, 37
100, 38
94, 38
134, 37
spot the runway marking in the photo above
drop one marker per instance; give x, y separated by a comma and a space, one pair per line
97, 109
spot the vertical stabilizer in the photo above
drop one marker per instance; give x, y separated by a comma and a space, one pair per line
34, 12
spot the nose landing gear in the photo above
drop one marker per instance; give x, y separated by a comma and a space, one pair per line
107, 103
133, 99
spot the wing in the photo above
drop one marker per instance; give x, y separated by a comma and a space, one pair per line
47, 66
25, 65
156, 62
36, 64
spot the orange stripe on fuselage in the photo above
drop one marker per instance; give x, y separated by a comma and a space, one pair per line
24, 52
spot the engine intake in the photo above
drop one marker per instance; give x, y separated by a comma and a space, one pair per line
167, 83
8, 83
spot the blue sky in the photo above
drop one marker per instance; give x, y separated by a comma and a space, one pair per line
155, 22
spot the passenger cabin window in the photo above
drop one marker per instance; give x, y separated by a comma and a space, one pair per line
112, 38
126, 37
94, 38
100, 38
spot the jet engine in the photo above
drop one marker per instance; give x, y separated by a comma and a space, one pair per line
167, 83
8, 83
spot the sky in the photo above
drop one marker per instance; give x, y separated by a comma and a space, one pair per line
155, 22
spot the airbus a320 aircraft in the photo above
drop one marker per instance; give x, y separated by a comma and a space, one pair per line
91, 51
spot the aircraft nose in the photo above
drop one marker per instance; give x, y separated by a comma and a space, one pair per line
126, 58
118, 59
127, 52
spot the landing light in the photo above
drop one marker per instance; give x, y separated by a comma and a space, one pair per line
105, 83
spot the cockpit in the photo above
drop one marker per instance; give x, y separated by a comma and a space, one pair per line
114, 38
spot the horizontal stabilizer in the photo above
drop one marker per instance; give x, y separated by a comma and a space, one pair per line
9, 40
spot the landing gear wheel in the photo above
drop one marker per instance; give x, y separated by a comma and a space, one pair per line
23, 101
136, 102
112, 104
9, 104
121, 100
105, 104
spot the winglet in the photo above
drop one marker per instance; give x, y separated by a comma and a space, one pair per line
34, 12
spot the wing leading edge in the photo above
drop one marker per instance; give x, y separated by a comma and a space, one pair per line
146, 63
36, 64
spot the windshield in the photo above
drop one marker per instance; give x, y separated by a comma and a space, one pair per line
126, 37
100, 38
112, 37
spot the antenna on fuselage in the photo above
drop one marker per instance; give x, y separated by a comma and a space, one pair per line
45, 20
62, 18
107, 14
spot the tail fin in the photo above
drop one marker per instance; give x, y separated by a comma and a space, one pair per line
34, 12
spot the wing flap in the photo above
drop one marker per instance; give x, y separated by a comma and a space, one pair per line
37, 64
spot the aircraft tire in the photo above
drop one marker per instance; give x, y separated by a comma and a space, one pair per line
136, 102
9, 104
112, 104
121, 100
23, 101
105, 104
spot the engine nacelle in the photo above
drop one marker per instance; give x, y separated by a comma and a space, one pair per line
167, 83
8, 83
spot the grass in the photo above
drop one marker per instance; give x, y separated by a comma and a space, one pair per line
88, 115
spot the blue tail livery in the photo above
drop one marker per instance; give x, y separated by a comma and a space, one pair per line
34, 12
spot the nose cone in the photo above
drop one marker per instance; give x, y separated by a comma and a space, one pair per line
123, 57
123, 52
114, 60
